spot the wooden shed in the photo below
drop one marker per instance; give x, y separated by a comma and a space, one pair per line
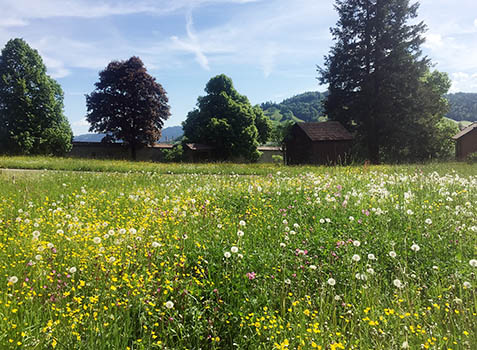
466, 141
197, 152
318, 143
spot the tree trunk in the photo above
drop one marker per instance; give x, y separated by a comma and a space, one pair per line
373, 146
133, 151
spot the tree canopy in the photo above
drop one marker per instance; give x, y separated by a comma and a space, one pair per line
227, 121
380, 85
31, 104
128, 104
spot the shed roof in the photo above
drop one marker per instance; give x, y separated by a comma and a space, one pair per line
199, 147
325, 131
163, 145
465, 131
269, 148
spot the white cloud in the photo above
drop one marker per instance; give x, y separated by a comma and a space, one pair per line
433, 41
12, 22
192, 44
56, 69
462, 81
81, 122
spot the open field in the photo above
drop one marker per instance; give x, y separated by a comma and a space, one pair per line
289, 258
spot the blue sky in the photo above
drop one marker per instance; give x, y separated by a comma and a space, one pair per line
270, 48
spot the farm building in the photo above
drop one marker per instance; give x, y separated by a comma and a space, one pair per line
318, 143
466, 141
197, 152
101, 150
193, 152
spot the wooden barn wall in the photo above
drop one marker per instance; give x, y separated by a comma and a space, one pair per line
466, 145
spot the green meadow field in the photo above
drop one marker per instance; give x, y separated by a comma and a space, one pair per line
118, 255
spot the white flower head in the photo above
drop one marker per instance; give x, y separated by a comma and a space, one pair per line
169, 304
356, 243
392, 254
234, 249
240, 233
242, 223
473, 262
155, 244
331, 281
97, 240
370, 270
13, 279
38, 257
428, 221
398, 284
371, 257
467, 285
72, 269
111, 259
312, 267
227, 255
415, 247
356, 258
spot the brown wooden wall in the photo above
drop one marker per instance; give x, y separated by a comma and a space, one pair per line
301, 150
466, 144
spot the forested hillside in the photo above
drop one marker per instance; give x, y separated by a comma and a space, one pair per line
305, 107
463, 106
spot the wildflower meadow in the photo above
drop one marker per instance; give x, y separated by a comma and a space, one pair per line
292, 258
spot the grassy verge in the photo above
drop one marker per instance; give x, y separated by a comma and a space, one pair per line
124, 166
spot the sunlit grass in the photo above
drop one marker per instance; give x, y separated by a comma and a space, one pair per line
294, 258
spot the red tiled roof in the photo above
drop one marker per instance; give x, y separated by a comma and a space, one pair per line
325, 131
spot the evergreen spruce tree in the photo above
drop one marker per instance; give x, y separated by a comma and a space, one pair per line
31, 104
377, 77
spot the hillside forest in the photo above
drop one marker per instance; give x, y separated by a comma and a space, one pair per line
308, 107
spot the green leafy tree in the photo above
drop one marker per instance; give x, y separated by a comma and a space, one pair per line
377, 77
128, 104
226, 120
31, 104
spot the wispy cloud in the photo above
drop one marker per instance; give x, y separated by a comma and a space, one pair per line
192, 44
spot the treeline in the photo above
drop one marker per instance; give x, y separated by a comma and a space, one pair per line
463, 106
305, 107
308, 107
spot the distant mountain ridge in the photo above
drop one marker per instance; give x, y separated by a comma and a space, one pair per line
169, 134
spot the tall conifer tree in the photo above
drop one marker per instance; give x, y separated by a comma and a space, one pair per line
377, 75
